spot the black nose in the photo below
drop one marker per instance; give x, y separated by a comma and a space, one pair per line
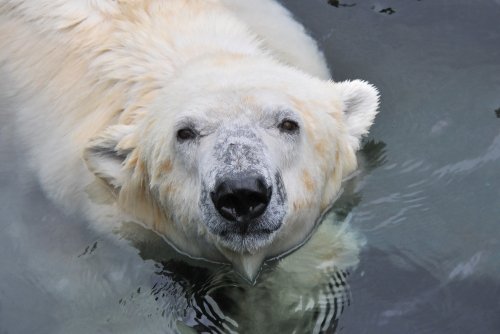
241, 199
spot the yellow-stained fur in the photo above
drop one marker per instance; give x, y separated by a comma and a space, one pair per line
100, 86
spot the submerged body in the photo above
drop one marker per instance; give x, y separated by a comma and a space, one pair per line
211, 122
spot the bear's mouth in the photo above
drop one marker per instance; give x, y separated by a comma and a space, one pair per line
247, 240
244, 210
246, 235
243, 232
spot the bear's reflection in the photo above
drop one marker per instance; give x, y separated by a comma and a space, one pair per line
303, 292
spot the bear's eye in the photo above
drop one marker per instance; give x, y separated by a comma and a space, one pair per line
288, 126
186, 134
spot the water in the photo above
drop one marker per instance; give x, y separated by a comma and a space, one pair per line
418, 231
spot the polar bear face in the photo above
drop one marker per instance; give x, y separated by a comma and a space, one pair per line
241, 150
237, 156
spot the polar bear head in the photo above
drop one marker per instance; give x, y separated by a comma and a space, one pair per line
235, 158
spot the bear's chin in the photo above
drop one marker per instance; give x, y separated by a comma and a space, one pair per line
246, 243
247, 256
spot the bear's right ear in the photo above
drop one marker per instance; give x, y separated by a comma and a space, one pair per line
106, 154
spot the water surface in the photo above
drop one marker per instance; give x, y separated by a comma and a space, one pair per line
413, 246
431, 213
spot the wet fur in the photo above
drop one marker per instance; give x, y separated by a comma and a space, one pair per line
101, 86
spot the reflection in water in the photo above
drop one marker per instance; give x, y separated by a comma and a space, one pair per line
370, 156
304, 292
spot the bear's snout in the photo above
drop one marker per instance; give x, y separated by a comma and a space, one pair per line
241, 199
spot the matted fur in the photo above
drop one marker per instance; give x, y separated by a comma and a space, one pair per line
100, 88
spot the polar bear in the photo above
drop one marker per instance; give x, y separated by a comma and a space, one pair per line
212, 122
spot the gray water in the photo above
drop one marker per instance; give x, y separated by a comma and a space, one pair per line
422, 219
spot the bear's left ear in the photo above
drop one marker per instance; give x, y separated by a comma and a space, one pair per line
361, 101
106, 154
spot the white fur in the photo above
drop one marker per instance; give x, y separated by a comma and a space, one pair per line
107, 81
